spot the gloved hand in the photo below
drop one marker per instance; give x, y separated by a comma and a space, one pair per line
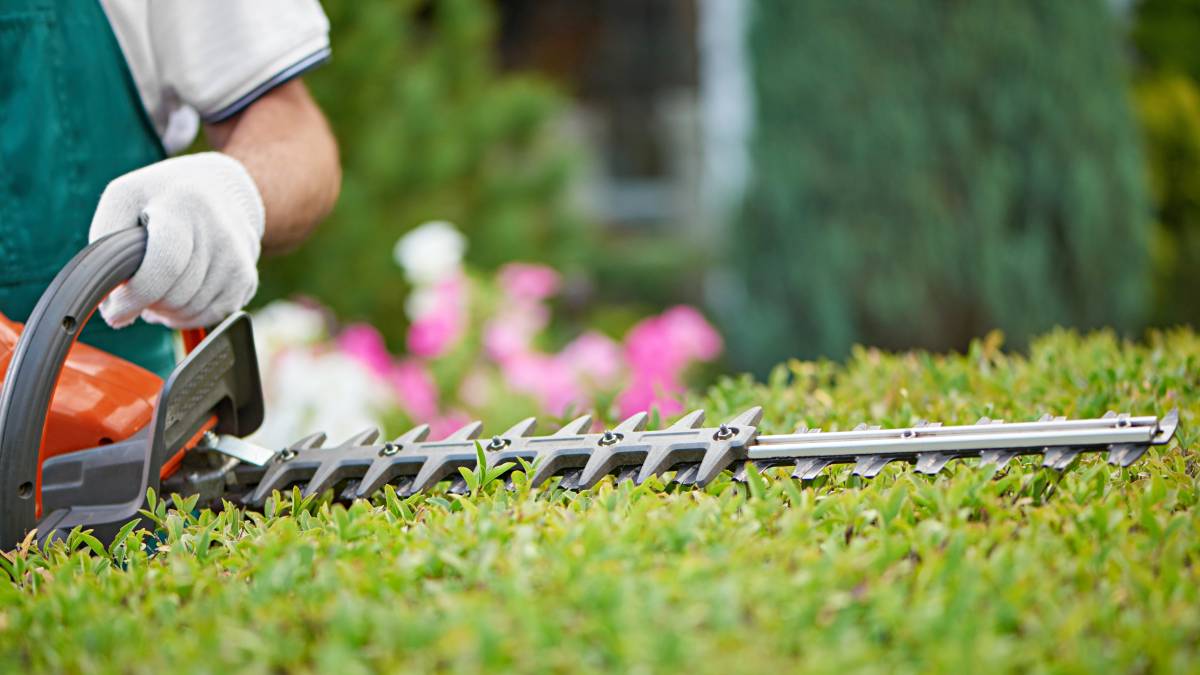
204, 219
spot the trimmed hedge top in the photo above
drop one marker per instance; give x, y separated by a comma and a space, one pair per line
971, 570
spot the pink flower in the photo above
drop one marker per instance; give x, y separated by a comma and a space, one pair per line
545, 378
593, 356
512, 332
645, 393
667, 343
364, 343
691, 334
430, 336
442, 322
415, 389
658, 350
526, 281
444, 425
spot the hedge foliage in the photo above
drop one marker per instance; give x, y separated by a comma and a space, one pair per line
1024, 570
927, 171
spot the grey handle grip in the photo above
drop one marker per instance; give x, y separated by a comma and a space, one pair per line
38, 360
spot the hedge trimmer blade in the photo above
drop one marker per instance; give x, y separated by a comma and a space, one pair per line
686, 452
173, 445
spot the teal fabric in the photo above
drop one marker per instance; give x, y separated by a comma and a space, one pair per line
70, 121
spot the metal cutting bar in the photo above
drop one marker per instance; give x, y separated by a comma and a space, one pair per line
984, 428
926, 439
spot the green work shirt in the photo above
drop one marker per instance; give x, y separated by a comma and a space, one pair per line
70, 122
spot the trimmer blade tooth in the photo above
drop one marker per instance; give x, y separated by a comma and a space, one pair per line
413, 435
386, 469
407, 487
612, 452
687, 475
635, 422
1166, 427
281, 474
932, 462
691, 420
467, 432
983, 421
443, 464
1124, 455
869, 466
739, 474
570, 480
1000, 458
350, 492
575, 427
1109, 415
808, 469
309, 442
326, 475
553, 459
1059, 459
749, 417
729, 450
458, 486
521, 429
628, 473
365, 437
861, 426
404, 486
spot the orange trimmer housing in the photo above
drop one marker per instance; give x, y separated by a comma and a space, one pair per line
100, 398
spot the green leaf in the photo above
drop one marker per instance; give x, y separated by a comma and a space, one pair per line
755, 482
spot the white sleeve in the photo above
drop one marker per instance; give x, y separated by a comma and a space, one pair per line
218, 56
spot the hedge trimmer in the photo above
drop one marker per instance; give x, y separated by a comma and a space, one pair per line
84, 434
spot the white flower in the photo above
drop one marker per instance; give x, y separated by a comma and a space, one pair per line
309, 389
307, 385
422, 301
284, 324
431, 252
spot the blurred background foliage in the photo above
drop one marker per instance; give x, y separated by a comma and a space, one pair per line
926, 171
920, 173
428, 130
1166, 35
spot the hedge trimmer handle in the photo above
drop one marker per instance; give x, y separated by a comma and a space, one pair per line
38, 359
216, 386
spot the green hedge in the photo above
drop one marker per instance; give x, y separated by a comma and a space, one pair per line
966, 572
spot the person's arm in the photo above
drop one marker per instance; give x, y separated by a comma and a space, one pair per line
287, 147
209, 215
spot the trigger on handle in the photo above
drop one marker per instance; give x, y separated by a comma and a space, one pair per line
191, 338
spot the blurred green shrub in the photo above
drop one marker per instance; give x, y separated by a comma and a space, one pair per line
428, 130
1167, 90
927, 171
1169, 108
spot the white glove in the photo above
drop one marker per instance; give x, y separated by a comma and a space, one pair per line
204, 222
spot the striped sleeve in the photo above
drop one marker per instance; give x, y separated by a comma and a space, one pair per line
219, 56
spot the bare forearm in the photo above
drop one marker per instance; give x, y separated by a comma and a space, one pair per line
285, 143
